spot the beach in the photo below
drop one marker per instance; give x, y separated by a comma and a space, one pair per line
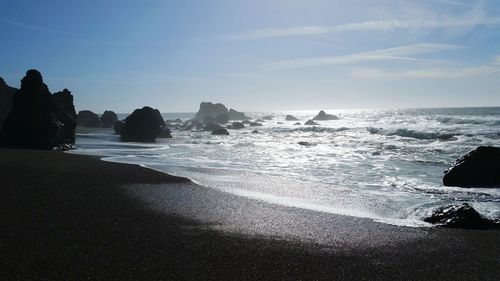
73, 217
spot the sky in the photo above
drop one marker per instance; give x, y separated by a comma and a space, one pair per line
257, 55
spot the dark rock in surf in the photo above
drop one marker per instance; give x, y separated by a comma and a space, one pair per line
143, 125
255, 132
311, 123
118, 127
237, 125
108, 119
478, 168
235, 115
255, 124
291, 118
460, 216
220, 132
87, 118
246, 122
37, 119
165, 133
297, 124
305, 143
322, 116
212, 127
268, 117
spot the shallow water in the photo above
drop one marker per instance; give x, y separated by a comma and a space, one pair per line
386, 165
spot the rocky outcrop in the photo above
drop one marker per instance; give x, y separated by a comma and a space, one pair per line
143, 125
210, 109
222, 118
237, 125
65, 112
87, 118
38, 120
291, 118
221, 132
478, 168
322, 116
118, 127
236, 115
460, 216
212, 127
108, 119
6, 93
311, 123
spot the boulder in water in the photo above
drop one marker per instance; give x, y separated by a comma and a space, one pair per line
305, 143
255, 132
212, 127
478, 168
87, 118
297, 124
255, 124
235, 115
267, 117
460, 216
322, 116
291, 118
143, 125
221, 131
237, 125
37, 119
108, 119
311, 123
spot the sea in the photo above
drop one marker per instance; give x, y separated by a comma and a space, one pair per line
384, 165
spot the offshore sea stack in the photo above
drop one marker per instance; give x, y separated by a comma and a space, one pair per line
322, 116
108, 119
210, 112
144, 125
478, 168
87, 118
38, 119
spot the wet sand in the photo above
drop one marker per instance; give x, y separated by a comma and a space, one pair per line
71, 217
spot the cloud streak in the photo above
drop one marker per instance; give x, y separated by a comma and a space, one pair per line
401, 53
378, 25
25, 26
432, 73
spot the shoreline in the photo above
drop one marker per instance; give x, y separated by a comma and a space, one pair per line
69, 216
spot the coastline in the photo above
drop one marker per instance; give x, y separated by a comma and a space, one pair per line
67, 216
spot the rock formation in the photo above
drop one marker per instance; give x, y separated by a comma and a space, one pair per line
255, 124
237, 125
108, 119
220, 132
311, 123
291, 118
322, 116
478, 168
143, 125
6, 93
235, 115
118, 127
87, 118
38, 120
460, 216
212, 127
210, 109
222, 118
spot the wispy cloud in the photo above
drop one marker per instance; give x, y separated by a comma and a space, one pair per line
367, 26
25, 26
400, 53
433, 73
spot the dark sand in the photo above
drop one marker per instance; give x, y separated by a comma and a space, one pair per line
69, 217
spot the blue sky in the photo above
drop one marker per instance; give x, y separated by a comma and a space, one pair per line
257, 55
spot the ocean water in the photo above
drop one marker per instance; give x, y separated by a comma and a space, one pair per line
386, 165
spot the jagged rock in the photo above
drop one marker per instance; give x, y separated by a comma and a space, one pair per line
460, 216
237, 125
37, 119
65, 112
478, 168
212, 127
108, 119
87, 118
118, 127
222, 118
255, 124
291, 118
268, 117
143, 125
322, 116
6, 93
305, 143
235, 115
311, 123
298, 123
221, 131
210, 109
